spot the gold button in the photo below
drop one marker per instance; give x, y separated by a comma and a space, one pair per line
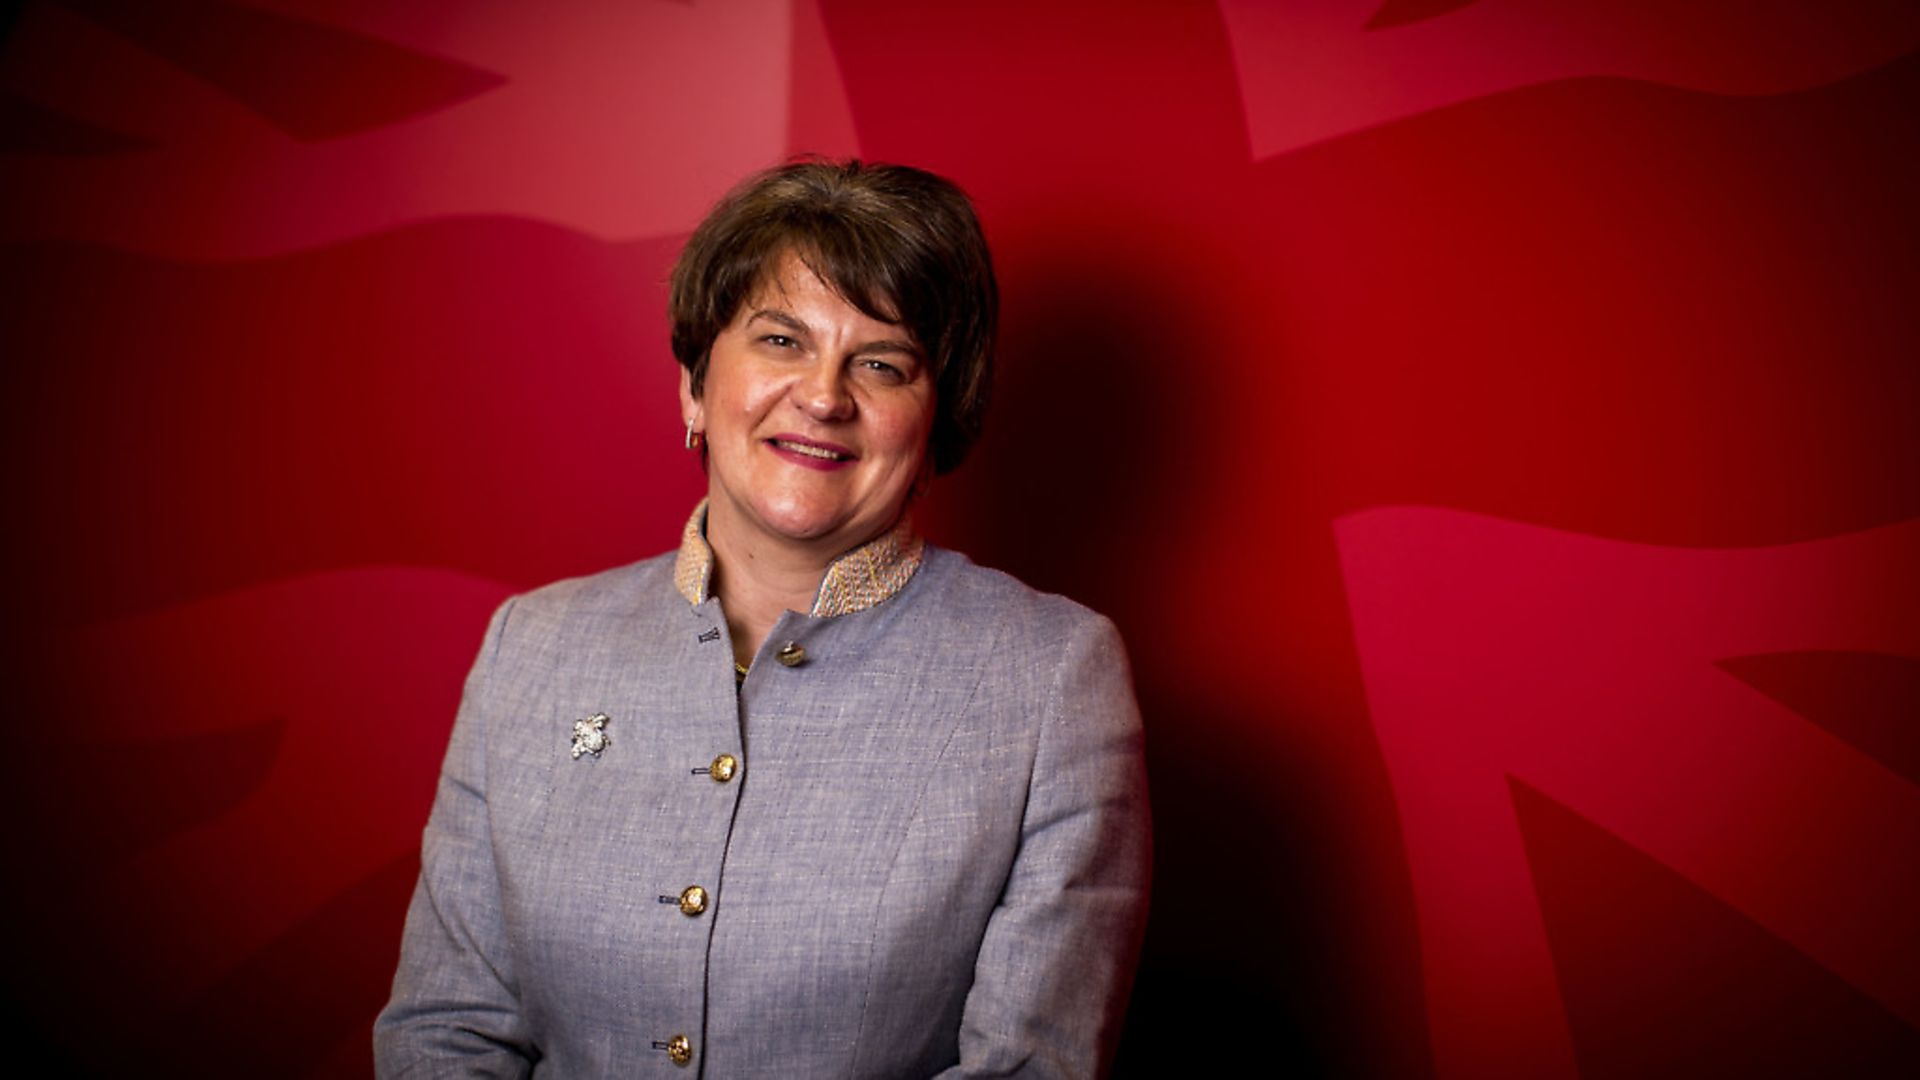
693, 900
723, 767
791, 655
680, 1049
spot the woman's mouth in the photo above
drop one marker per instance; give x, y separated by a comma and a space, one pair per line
810, 453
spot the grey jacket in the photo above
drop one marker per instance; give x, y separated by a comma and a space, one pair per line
931, 857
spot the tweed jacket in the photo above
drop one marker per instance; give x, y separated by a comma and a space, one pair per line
930, 855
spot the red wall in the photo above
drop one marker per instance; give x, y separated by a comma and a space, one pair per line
1494, 425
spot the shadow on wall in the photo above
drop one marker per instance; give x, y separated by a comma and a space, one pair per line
1089, 446
1228, 975
1083, 485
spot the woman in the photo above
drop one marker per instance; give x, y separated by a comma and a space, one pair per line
899, 828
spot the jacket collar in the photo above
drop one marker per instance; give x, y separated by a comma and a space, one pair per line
854, 582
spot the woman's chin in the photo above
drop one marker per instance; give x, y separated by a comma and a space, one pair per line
804, 526
806, 517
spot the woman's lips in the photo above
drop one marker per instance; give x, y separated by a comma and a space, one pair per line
810, 452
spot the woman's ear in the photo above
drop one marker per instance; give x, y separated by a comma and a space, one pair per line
691, 412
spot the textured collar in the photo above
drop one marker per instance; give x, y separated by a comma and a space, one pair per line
855, 582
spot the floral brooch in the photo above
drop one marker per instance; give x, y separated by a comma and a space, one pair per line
590, 735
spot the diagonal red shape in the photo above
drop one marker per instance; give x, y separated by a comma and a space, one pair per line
1312, 70
1867, 699
1662, 982
310, 80
1585, 668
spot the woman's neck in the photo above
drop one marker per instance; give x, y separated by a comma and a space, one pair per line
757, 581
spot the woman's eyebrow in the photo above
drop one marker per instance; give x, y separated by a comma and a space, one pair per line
781, 317
890, 345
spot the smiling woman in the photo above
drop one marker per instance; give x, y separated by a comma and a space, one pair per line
815, 418
900, 828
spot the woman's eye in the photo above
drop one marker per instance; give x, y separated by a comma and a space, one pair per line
779, 341
881, 367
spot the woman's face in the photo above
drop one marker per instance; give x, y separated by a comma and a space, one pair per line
816, 418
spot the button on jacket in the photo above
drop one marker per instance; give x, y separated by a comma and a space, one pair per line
912, 844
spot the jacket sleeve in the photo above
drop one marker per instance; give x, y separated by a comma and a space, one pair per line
455, 1008
1056, 963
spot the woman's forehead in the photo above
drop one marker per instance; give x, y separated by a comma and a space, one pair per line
788, 280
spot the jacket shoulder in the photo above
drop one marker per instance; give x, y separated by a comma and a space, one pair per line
621, 591
632, 603
981, 598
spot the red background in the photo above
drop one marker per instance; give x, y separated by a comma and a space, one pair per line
1494, 425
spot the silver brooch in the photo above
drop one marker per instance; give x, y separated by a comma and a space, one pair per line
590, 735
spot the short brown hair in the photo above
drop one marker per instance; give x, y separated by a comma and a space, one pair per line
898, 243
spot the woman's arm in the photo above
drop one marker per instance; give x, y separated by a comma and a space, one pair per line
1055, 966
455, 1009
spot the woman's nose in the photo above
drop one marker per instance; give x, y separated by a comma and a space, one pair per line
822, 392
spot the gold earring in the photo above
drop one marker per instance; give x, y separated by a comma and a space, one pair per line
694, 438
